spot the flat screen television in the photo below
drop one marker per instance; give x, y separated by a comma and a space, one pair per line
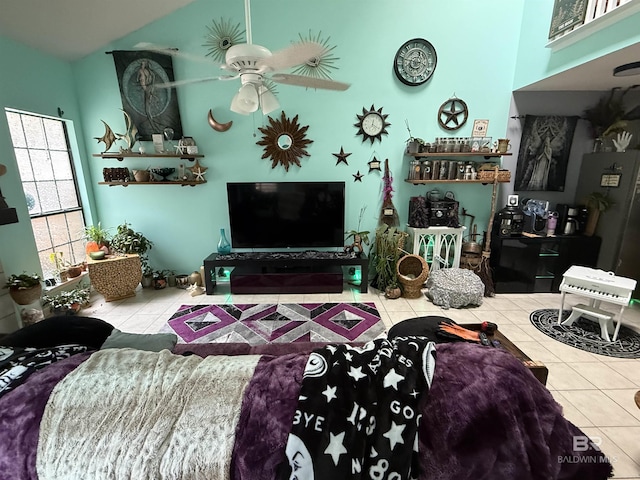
286, 214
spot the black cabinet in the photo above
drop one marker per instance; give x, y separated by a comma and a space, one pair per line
536, 264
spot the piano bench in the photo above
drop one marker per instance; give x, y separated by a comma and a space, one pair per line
605, 319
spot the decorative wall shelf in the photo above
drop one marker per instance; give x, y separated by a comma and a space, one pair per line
420, 182
122, 156
459, 154
185, 183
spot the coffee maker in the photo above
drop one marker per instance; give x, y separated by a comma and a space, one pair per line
510, 220
568, 219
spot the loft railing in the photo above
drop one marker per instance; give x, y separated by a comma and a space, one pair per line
570, 24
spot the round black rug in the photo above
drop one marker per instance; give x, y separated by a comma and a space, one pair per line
585, 335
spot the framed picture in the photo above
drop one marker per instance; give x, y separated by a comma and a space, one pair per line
481, 144
566, 14
158, 142
480, 128
151, 109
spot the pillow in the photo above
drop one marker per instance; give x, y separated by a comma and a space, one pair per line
61, 330
152, 342
420, 327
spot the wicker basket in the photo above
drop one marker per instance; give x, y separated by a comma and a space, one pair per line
488, 175
25, 296
412, 272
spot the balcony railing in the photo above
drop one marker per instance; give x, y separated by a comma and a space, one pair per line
567, 28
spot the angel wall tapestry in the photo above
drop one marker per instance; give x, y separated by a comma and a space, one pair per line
544, 153
152, 108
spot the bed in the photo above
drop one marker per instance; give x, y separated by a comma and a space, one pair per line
232, 411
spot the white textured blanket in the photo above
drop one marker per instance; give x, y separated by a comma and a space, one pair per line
143, 415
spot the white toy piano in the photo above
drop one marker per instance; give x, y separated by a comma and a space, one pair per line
598, 286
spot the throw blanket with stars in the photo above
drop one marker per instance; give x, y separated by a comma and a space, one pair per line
357, 414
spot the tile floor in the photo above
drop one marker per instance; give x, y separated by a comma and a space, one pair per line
596, 392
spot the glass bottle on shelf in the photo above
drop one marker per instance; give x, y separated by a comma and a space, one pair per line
414, 170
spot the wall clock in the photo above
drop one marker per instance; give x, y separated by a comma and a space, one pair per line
453, 114
372, 124
415, 62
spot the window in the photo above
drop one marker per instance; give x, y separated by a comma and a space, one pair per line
48, 179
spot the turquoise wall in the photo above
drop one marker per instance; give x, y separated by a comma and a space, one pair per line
536, 62
476, 49
33, 82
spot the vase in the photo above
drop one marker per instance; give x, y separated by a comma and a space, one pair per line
598, 145
224, 247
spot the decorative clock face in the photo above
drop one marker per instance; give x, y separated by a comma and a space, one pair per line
372, 124
415, 62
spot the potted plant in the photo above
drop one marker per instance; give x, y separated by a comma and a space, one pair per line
126, 240
24, 288
597, 202
386, 252
67, 302
359, 236
97, 238
609, 116
160, 279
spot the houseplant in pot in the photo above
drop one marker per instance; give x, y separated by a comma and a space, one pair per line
24, 288
126, 240
386, 251
97, 238
596, 203
67, 302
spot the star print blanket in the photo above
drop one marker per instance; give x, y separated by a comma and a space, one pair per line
357, 414
485, 417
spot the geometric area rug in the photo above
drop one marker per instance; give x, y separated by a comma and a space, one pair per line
258, 324
585, 334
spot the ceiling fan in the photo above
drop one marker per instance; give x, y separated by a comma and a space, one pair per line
254, 65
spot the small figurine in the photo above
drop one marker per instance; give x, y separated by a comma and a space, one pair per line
131, 135
108, 138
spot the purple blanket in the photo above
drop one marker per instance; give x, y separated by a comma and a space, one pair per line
486, 417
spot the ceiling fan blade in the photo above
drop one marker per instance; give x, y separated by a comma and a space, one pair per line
179, 83
291, 56
309, 82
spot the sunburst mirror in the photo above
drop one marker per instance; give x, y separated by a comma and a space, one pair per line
322, 65
220, 36
284, 141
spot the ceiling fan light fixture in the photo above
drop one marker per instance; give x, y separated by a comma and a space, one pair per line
268, 100
627, 70
237, 106
247, 98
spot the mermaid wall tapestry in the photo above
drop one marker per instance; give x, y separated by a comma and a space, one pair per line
151, 107
544, 153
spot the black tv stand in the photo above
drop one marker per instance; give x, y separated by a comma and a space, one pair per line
285, 272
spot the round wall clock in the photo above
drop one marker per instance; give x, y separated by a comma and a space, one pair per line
415, 62
372, 124
453, 114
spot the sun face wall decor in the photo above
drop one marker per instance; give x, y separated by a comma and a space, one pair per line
220, 37
284, 141
322, 65
372, 124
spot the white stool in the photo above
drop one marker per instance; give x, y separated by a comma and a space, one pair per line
605, 319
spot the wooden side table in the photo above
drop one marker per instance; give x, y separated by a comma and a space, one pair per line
116, 277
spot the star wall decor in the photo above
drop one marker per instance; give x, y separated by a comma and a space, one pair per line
453, 114
198, 171
374, 164
342, 157
357, 177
